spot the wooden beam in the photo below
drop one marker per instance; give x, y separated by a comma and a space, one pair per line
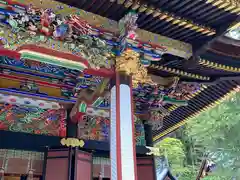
32, 142
174, 47
197, 51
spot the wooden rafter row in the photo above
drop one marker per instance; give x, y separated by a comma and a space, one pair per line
179, 72
168, 17
232, 6
184, 121
214, 65
235, 26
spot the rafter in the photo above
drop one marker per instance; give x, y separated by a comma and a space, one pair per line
232, 6
184, 121
168, 17
180, 72
214, 65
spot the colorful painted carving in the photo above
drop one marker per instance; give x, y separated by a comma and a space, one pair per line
67, 33
71, 81
48, 23
98, 128
153, 97
88, 97
127, 26
91, 111
184, 90
27, 101
155, 89
167, 91
40, 67
156, 119
32, 31
31, 27
19, 118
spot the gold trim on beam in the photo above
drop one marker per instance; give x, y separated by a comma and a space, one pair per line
217, 102
180, 72
232, 6
223, 67
235, 26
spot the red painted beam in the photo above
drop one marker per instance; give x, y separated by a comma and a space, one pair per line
10, 53
54, 53
11, 2
107, 73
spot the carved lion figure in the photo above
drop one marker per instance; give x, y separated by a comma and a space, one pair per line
129, 63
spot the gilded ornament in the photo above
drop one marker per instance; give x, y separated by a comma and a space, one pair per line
129, 63
74, 142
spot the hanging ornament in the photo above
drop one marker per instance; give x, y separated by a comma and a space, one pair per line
73, 142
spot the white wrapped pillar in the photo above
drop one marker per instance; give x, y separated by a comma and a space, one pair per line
123, 153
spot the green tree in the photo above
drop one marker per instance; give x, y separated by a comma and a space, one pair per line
216, 133
173, 149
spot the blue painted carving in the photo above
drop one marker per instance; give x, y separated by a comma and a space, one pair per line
38, 66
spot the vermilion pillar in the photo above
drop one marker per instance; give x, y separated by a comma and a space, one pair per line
123, 153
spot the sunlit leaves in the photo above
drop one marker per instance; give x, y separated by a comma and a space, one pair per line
218, 130
173, 149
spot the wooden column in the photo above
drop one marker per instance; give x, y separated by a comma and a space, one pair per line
71, 127
148, 134
122, 143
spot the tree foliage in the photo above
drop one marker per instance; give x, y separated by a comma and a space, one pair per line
174, 150
216, 133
